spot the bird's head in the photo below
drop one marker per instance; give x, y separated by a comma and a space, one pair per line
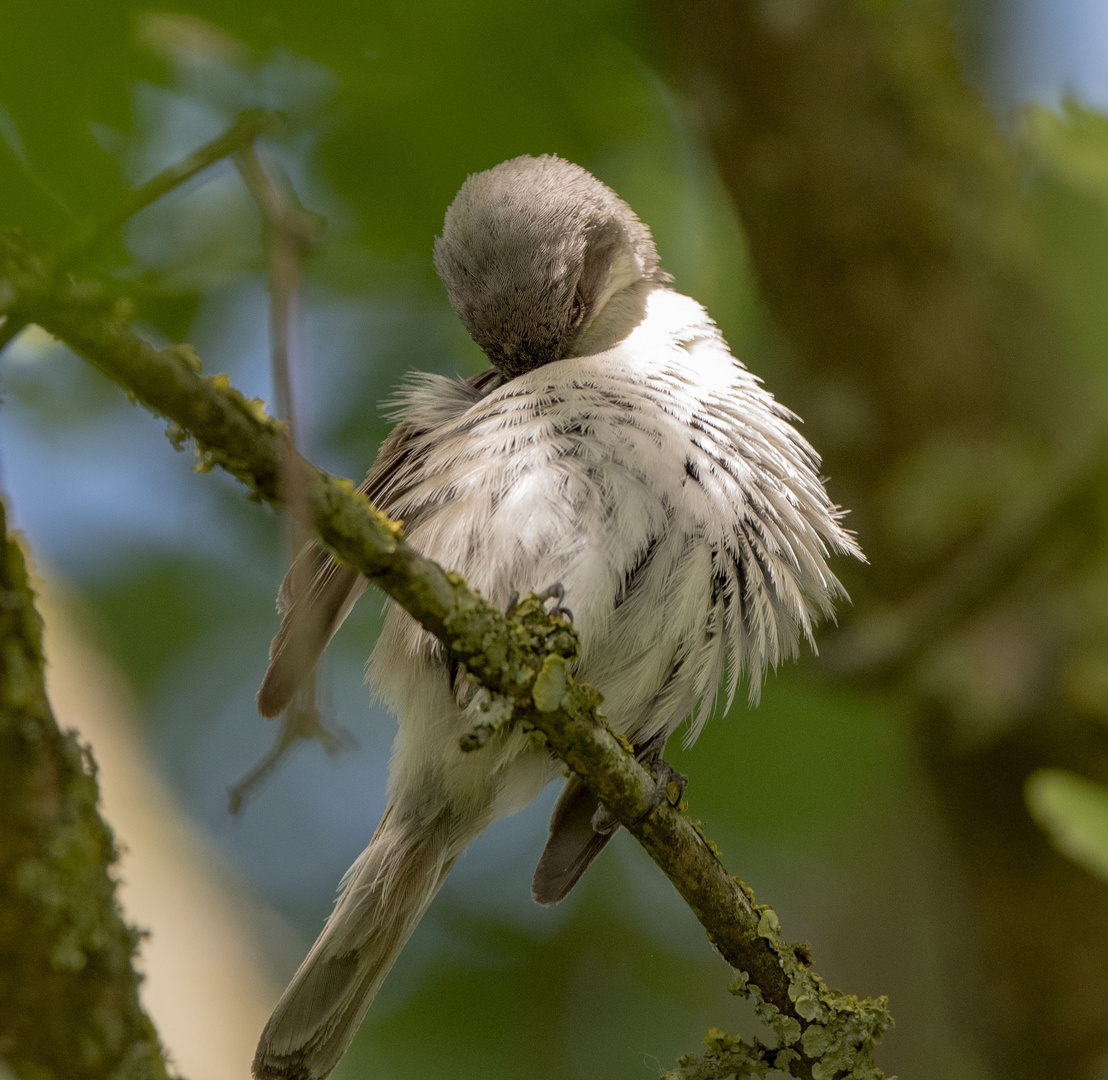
530, 253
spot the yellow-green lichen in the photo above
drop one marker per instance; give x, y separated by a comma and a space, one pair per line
507, 653
496, 714
549, 689
835, 1032
727, 1057
189, 357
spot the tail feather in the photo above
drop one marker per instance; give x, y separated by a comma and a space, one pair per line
384, 896
572, 846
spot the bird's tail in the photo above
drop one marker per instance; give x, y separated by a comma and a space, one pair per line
384, 895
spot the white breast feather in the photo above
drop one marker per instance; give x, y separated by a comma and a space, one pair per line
667, 491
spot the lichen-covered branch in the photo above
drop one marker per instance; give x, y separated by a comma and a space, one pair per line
523, 660
69, 1007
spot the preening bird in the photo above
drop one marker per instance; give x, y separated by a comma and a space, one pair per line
615, 448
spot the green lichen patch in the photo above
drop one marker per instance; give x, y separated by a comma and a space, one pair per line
727, 1056
550, 684
497, 713
835, 1033
507, 653
353, 523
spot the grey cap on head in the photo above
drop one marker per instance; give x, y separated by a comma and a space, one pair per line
530, 252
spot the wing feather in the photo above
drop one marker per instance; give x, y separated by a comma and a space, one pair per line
318, 591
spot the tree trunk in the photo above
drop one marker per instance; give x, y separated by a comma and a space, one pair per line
897, 259
69, 1007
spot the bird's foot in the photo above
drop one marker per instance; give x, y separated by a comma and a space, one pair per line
557, 593
669, 786
604, 821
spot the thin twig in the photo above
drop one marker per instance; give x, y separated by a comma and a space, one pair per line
247, 128
334, 739
290, 231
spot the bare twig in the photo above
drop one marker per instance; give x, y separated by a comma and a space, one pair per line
291, 230
297, 724
290, 233
247, 128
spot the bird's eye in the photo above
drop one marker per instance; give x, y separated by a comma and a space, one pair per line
576, 311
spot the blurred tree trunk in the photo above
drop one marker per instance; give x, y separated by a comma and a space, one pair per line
883, 213
69, 1007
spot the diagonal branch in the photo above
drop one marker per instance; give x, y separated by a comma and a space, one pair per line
525, 658
245, 130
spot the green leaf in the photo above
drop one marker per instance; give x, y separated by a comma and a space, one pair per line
1073, 811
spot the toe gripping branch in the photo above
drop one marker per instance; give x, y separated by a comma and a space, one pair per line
669, 785
555, 592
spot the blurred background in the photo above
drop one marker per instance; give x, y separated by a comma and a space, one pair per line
897, 212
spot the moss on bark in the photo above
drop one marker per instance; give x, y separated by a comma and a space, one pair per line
69, 1005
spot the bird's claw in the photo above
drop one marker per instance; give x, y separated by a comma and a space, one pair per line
604, 821
666, 776
669, 786
557, 593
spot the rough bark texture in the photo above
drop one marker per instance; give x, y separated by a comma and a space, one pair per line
885, 224
69, 1005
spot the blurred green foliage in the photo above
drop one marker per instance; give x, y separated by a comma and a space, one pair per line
1067, 155
1074, 813
812, 797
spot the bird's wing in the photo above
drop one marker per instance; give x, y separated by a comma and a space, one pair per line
318, 591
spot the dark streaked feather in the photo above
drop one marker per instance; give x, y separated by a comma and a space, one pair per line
318, 592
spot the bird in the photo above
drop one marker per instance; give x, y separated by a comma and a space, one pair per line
616, 458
